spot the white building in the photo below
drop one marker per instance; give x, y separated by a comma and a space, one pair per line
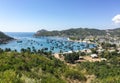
94, 55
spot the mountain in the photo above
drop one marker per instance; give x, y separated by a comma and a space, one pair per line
79, 32
4, 38
114, 32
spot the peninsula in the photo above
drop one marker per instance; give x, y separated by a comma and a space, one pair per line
4, 38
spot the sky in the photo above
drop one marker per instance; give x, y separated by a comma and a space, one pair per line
34, 15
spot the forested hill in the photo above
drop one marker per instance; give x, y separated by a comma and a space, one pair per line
4, 38
80, 32
114, 31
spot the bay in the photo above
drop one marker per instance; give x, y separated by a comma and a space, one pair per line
55, 44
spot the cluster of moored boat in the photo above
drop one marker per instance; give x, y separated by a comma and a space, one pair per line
55, 45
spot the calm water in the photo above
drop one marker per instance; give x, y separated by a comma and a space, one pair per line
54, 44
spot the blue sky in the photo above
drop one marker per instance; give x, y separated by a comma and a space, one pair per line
33, 15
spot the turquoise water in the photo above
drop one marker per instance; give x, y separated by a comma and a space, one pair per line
54, 44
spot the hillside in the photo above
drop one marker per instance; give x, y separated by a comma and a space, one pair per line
4, 38
79, 32
114, 31
39, 67
28, 67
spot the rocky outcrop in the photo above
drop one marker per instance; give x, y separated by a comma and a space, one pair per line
4, 38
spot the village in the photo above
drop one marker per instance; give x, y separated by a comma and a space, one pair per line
105, 47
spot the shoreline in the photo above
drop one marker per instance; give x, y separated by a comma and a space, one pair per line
58, 49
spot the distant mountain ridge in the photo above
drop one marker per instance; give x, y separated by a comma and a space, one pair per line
114, 32
79, 32
4, 38
71, 32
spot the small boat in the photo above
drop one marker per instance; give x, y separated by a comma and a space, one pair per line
19, 41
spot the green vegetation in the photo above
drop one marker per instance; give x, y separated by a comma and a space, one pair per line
114, 32
72, 33
42, 67
105, 71
29, 67
108, 45
71, 57
73, 74
78, 33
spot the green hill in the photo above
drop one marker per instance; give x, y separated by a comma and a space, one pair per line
35, 68
29, 67
4, 38
114, 31
79, 32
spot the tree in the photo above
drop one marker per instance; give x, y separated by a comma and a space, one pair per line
7, 49
9, 76
1, 50
70, 58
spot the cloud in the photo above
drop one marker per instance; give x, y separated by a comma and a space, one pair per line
116, 19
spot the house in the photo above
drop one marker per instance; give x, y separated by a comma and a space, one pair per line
111, 50
81, 58
86, 51
94, 55
100, 50
103, 59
